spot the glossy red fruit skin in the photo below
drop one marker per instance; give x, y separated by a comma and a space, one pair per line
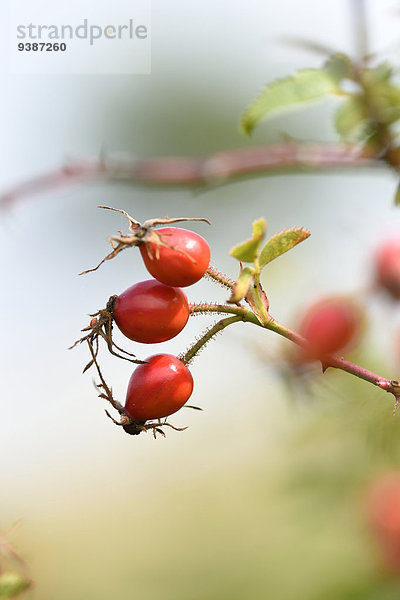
151, 312
172, 267
330, 326
387, 267
158, 388
383, 515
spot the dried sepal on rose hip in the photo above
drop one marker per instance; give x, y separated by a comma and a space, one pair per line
100, 327
162, 388
182, 262
148, 312
175, 256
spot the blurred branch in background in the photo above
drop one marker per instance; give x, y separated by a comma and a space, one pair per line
359, 18
221, 167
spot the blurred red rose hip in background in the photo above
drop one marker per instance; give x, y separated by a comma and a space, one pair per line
383, 516
330, 326
387, 267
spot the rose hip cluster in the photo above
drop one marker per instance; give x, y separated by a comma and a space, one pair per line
155, 311
150, 312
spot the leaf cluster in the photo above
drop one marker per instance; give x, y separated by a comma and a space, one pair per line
259, 253
372, 103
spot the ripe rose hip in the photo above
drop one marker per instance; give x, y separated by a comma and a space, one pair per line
182, 265
330, 326
383, 515
150, 312
158, 388
387, 267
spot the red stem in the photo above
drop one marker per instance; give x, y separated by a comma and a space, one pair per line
333, 360
181, 171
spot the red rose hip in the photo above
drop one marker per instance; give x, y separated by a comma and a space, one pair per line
151, 312
330, 326
387, 267
181, 265
158, 388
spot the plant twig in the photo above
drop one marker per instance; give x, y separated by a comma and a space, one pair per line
221, 167
360, 28
207, 336
335, 361
391, 386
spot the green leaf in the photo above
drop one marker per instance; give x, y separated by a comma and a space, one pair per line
386, 102
247, 251
339, 67
382, 72
383, 95
241, 286
351, 119
259, 229
281, 243
397, 196
12, 584
303, 86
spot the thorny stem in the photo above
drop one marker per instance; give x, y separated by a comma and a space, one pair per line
241, 314
333, 360
220, 278
337, 362
207, 336
244, 313
222, 167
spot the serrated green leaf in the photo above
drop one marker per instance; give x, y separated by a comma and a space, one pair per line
281, 243
397, 196
339, 67
12, 584
241, 285
247, 251
351, 119
303, 86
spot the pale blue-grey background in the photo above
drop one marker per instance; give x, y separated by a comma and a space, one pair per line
209, 59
